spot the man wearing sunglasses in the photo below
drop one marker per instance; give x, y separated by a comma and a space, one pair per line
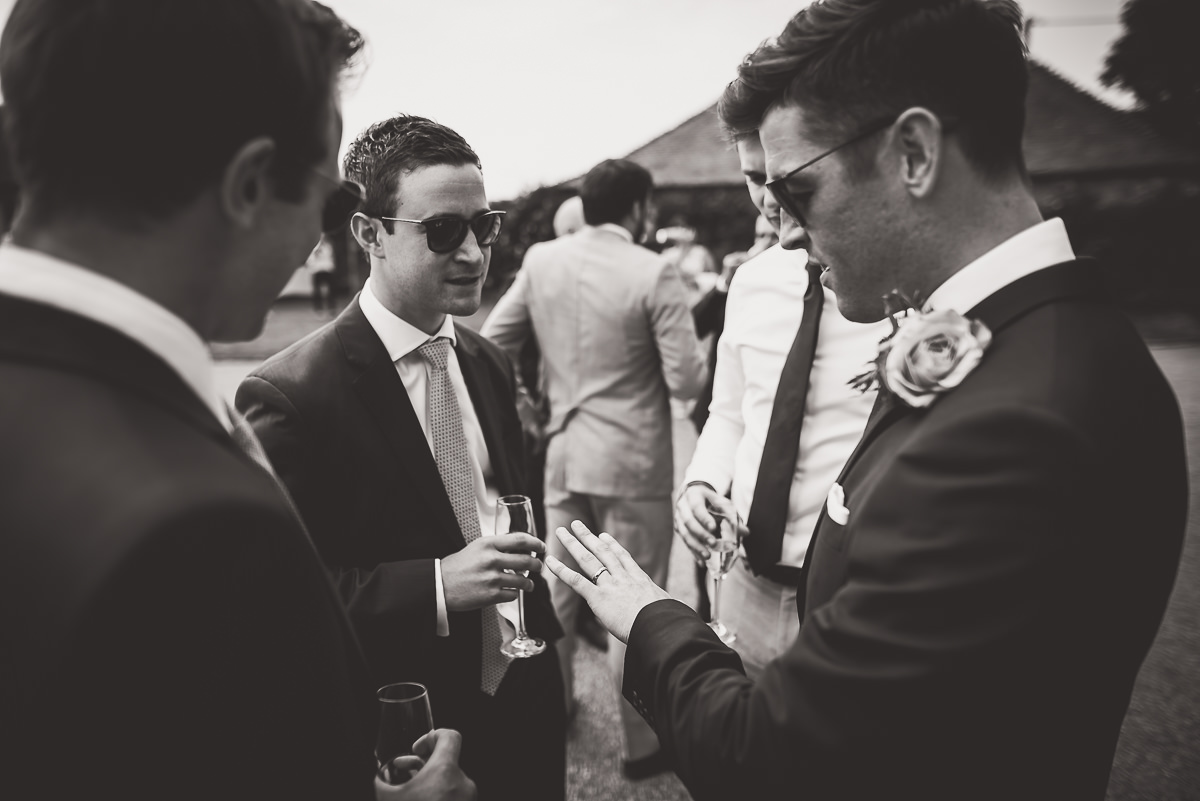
991, 565
396, 429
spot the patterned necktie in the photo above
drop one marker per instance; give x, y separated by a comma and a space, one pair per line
772, 492
454, 466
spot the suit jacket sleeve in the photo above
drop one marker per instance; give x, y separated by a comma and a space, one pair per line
977, 518
223, 685
675, 335
396, 596
709, 312
509, 324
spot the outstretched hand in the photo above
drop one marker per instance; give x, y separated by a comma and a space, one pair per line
620, 591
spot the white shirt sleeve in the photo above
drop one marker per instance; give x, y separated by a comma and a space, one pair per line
443, 617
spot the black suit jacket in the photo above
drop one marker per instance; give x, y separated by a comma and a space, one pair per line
975, 629
166, 628
337, 423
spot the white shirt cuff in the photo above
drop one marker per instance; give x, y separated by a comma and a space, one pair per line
443, 619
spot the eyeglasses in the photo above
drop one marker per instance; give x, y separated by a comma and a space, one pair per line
446, 234
341, 203
784, 197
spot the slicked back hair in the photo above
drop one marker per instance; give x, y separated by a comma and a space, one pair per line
129, 109
612, 188
853, 63
380, 154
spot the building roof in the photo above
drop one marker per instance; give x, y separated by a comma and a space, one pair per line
1068, 132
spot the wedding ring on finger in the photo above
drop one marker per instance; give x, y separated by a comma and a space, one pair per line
598, 574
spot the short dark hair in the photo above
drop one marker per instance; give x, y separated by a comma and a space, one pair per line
401, 144
851, 63
611, 188
129, 109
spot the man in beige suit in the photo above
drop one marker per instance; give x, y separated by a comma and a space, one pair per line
618, 342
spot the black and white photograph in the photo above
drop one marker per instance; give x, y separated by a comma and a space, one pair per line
643, 400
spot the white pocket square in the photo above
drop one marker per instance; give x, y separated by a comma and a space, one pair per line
835, 505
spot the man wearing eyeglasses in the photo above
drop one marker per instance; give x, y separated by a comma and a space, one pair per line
992, 563
617, 339
395, 430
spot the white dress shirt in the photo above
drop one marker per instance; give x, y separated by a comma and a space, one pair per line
762, 314
35, 276
402, 340
1036, 248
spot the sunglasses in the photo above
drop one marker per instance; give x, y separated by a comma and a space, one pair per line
446, 234
784, 197
342, 202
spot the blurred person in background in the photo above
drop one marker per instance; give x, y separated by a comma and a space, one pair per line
694, 261
569, 217
617, 340
168, 630
395, 430
534, 408
774, 453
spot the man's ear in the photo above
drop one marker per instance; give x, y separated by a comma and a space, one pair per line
366, 234
919, 136
245, 184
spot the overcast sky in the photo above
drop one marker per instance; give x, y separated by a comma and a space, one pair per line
544, 89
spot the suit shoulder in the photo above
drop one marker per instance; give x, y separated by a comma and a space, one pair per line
489, 351
308, 359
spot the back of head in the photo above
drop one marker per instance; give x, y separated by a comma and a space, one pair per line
569, 217
612, 188
852, 64
381, 154
127, 110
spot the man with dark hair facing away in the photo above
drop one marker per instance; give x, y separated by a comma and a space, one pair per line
396, 430
992, 563
617, 342
168, 629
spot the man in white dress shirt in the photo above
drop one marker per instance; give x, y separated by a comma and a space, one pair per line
396, 430
764, 310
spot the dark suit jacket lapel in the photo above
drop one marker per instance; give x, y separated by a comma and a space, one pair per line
997, 311
378, 386
483, 397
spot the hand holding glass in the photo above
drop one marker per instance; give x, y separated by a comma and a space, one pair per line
514, 513
723, 553
404, 717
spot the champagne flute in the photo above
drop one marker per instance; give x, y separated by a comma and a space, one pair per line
514, 513
404, 718
722, 555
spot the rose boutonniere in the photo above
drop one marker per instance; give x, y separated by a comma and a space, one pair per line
927, 353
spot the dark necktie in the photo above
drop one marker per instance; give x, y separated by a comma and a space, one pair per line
769, 509
454, 465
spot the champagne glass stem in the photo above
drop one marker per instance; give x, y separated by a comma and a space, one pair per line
521, 615
716, 599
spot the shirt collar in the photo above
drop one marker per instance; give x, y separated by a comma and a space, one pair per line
619, 230
41, 278
399, 337
1036, 248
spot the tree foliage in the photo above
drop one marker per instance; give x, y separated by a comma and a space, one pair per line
1157, 58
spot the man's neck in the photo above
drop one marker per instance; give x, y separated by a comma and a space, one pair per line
154, 264
982, 223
